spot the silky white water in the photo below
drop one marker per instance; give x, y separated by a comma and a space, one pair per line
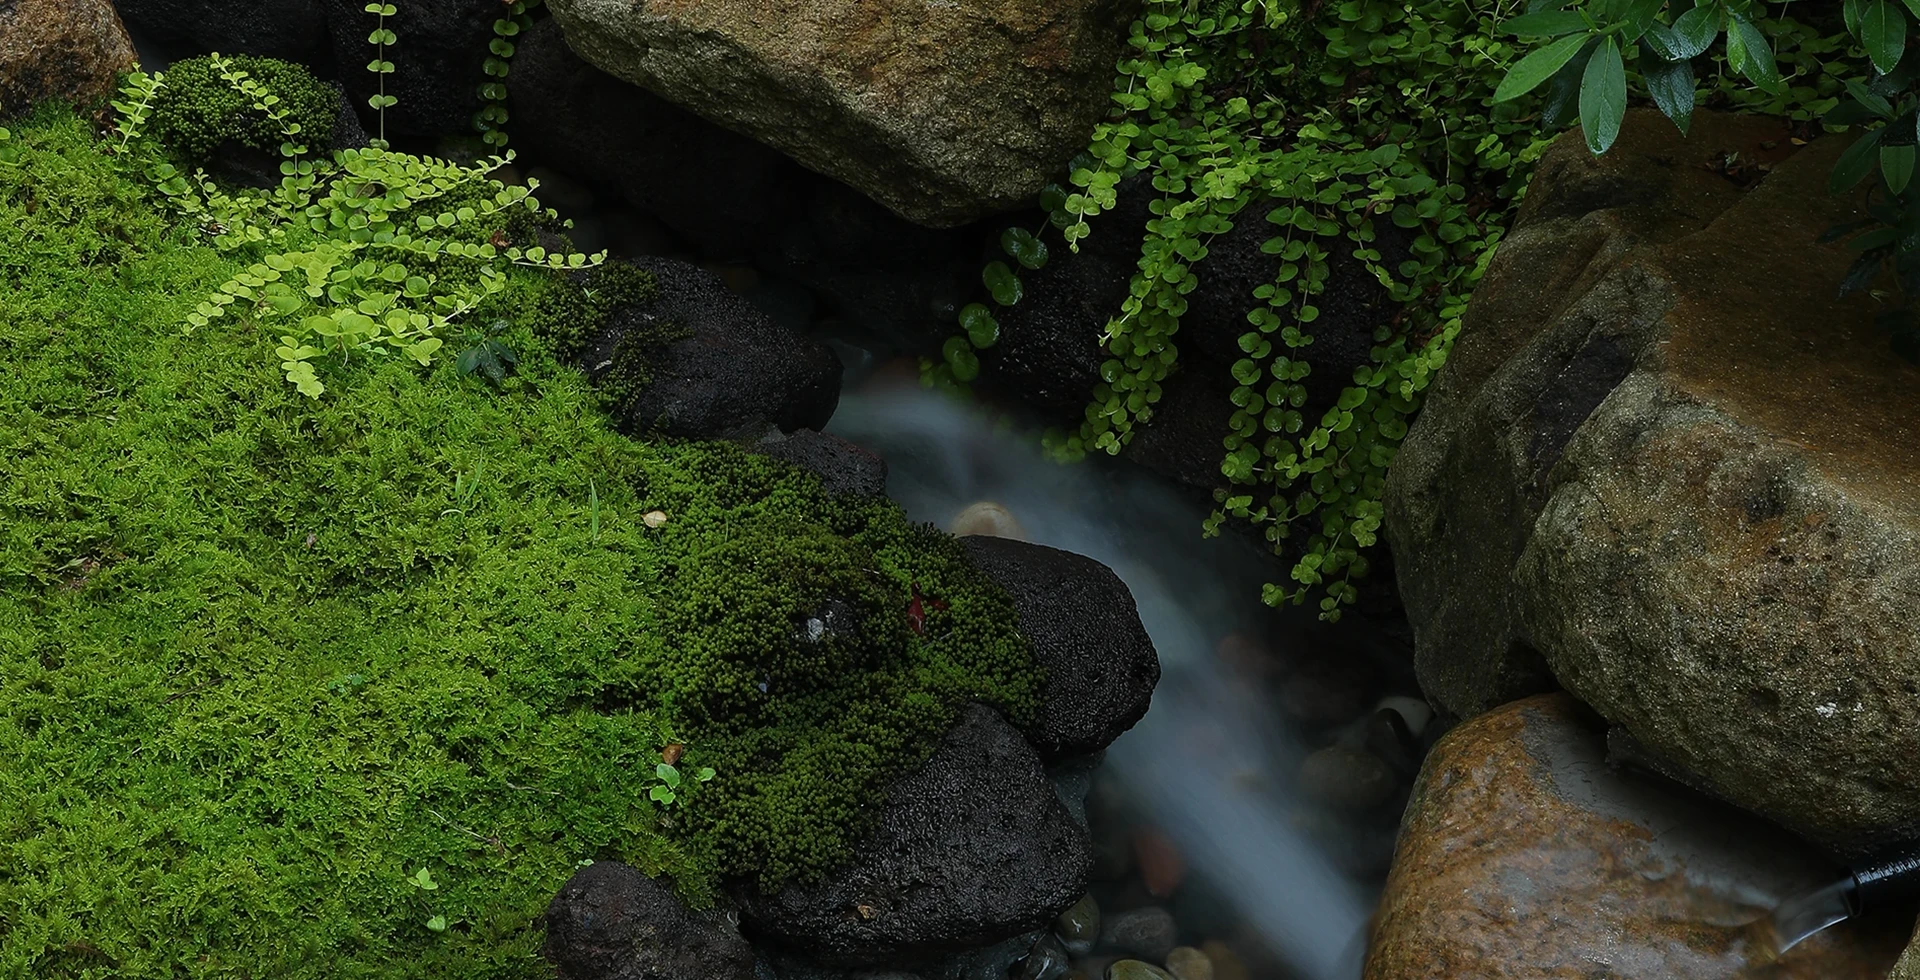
1209, 764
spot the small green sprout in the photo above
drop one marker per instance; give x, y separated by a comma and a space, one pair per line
667, 782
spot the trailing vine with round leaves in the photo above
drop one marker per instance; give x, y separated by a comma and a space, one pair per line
490, 122
1323, 119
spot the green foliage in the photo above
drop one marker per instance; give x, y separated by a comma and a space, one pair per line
1322, 125
197, 110
1664, 38
667, 789
268, 660
382, 38
373, 253
491, 120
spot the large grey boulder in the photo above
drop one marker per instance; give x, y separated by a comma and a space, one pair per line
943, 112
1667, 469
973, 848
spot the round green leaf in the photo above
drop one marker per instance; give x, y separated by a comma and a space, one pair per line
1002, 283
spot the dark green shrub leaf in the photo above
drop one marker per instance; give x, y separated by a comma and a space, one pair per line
1603, 97
1855, 163
1749, 52
1563, 93
1883, 31
1693, 31
1671, 85
1896, 165
1537, 67
1545, 23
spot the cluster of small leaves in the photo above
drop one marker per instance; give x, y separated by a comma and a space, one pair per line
1322, 122
668, 787
491, 120
382, 38
1588, 45
139, 90
200, 114
374, 252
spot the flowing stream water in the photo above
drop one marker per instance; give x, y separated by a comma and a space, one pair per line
1210, 764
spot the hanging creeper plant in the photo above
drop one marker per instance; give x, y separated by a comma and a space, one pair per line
491, 120
382, 38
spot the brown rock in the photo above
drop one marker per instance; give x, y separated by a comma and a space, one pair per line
59, 49
1908, 967
1667, 469
942, 111
1523, 855
1162, 868
1227, 964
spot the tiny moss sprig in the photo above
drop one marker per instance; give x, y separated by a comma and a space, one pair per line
382, 38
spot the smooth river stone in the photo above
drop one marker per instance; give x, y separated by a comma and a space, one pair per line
1079, 927
1523, 855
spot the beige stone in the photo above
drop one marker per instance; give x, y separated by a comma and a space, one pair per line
1524, 856
59, 49
941, 110
1667, 469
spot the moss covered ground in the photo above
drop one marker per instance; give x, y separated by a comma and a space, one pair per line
264, 658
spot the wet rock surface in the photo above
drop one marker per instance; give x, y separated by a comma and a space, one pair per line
1523, 854
295, 30
611, 922
1667, 469
1085, 630
973, 848
730, 372
59, 49
943, 113
843, 468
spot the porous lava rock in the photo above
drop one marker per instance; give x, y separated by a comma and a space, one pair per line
1085, 631
843, 468
943, 112
611, 922
292, 30
728, 370
971, 849
1666, 468
1523, 854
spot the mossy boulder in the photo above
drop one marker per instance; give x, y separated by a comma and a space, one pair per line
696, 360
1669, 470
205, 120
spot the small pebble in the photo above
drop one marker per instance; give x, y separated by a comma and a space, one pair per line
1415, 712
1047, 960
1161, 866
1148, 933
1227, 964
1346, 778
1187, 963
1093, 966
1387, 737
988, 518
1136, 970
1079, 926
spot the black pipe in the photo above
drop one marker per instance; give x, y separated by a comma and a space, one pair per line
1889, 877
